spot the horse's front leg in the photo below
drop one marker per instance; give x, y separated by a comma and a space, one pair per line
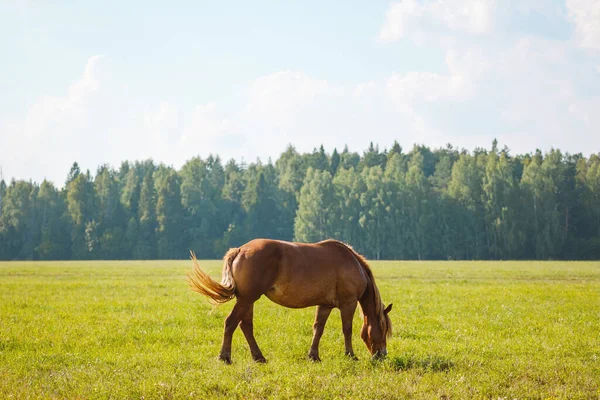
347, 311
247, 326
318, 327
231, 322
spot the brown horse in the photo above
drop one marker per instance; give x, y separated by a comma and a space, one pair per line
327, 274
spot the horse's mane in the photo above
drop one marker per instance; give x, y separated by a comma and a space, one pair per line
385, 324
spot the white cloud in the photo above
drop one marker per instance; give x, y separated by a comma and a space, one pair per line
98, 120
543, 7
286, 92
68, 109
466, 67
416, 19
280, 105
585, 14
472, 16
364, 89
542, 100
205, 129
41, 142
101, 120
412, 87
163, 124
529, 93
398, 18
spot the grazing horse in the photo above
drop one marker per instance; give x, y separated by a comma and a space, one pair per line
328, 274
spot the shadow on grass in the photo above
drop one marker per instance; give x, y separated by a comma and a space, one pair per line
427, 363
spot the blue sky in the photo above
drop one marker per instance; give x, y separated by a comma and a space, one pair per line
103, 82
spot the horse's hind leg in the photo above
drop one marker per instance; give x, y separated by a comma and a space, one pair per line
347, 312
318, 327
231, 322
247, 326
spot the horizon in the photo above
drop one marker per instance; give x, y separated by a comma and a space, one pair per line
243, 164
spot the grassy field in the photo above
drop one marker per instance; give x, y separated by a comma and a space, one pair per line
462, 330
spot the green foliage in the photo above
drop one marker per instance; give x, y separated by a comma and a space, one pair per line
291, 171
201, 196
373, 213
169, 214
82, 209
348, 186
372, 158
424, 204
463, 330
315, 207
53, 225
19, 219
349, 159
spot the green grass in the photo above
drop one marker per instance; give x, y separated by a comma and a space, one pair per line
462, 330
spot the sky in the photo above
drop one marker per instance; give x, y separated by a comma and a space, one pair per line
104, 82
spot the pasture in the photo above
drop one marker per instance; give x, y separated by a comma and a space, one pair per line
461, 330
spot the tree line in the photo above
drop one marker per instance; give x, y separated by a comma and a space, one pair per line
444, 203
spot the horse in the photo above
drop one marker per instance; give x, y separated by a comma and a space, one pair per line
328, 274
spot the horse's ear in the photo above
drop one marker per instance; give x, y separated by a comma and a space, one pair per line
388, 309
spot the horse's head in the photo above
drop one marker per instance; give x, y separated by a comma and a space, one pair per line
374, 333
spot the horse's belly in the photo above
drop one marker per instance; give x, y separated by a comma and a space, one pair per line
300, 298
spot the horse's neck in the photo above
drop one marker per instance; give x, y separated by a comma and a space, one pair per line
367, 303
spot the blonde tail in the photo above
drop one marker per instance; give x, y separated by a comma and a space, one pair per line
202, 283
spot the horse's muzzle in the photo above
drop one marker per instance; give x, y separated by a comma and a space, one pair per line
380, 354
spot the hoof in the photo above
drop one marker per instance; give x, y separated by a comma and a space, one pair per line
352, 356
260, 359
314, 358
225, 359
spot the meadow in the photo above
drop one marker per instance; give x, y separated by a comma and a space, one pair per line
100, 329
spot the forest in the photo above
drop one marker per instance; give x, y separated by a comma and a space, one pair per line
445, 204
